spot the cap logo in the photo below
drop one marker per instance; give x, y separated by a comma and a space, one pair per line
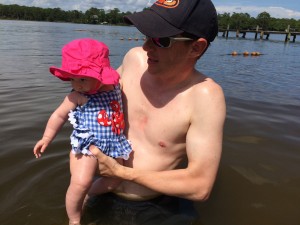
167, 3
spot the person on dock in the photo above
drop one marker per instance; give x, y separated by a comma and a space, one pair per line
94, 108
174, 112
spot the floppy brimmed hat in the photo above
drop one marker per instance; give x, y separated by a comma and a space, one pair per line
86, 58
167, 18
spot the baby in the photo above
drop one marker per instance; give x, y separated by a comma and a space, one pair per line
94, 108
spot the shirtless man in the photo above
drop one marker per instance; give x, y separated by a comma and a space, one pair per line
173, 111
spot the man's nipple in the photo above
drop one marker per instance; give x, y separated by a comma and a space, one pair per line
162, 144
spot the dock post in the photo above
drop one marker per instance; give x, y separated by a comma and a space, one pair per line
262, 35
257, 27
288, 35
227, 31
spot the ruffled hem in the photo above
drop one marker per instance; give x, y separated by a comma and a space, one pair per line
73, 118
116, 148
81, 141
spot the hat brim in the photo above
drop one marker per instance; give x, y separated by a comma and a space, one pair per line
61, 74
109, 75
149, 23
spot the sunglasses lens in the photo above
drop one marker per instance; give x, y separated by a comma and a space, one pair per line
162, 42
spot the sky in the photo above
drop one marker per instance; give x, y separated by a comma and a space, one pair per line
276, 8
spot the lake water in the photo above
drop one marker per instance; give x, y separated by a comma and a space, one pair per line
259, 178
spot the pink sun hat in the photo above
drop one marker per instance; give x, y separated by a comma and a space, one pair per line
86, 58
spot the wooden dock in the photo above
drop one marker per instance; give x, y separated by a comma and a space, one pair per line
289, 35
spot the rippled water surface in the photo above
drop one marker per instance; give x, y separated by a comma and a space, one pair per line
259, 177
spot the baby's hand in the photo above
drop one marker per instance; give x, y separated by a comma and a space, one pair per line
39, 148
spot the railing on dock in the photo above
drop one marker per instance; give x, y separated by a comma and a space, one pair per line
261, 33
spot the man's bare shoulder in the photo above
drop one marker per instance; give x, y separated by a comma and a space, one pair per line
135, 62
135, 58
136, 53
207, 87
208, 95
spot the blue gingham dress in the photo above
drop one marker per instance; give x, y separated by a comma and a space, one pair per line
87, 131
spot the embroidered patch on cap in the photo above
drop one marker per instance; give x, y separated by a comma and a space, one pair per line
167, 3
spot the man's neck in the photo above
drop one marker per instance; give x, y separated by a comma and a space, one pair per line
170, 79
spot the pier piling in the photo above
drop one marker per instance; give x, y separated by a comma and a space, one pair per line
289, 35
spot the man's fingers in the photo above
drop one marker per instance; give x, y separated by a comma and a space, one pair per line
96, 152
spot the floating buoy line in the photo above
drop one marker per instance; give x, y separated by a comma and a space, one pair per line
135, 39
246, 53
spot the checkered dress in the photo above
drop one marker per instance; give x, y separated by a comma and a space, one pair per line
88, 131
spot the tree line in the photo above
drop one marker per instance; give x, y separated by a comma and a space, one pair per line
241, 21
91, 16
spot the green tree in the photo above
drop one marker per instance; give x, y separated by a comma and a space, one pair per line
92, 15
102, 16
240, 20
263, 20
114, 16
224, 20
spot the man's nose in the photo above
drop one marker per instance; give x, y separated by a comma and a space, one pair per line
148, 44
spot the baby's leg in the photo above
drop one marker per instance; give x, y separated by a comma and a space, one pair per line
82, 173
103, 185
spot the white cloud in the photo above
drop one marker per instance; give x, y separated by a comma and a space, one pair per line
276, 12
123, 6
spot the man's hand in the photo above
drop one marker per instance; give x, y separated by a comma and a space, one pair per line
108, 167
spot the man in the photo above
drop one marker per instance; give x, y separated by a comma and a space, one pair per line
173, 112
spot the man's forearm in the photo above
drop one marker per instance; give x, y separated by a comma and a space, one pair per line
180, 183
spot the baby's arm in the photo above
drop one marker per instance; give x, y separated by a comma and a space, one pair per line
55, 122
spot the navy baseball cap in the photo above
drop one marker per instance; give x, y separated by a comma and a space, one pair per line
167, 18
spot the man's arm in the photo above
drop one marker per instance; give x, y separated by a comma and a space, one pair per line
204, 146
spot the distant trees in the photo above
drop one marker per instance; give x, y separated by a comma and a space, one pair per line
91, 16
115, 16
243, 21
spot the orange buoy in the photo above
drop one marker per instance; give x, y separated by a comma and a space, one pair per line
245, 53
234, 53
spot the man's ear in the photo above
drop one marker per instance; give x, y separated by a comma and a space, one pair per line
198, 47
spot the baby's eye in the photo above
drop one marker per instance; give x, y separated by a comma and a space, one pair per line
82, 79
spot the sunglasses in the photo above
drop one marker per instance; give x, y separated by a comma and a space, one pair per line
166, 42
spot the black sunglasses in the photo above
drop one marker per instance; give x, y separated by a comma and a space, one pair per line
166, 42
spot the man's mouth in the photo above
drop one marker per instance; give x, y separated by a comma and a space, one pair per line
151, 60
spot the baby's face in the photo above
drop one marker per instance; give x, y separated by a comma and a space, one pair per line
85, 85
